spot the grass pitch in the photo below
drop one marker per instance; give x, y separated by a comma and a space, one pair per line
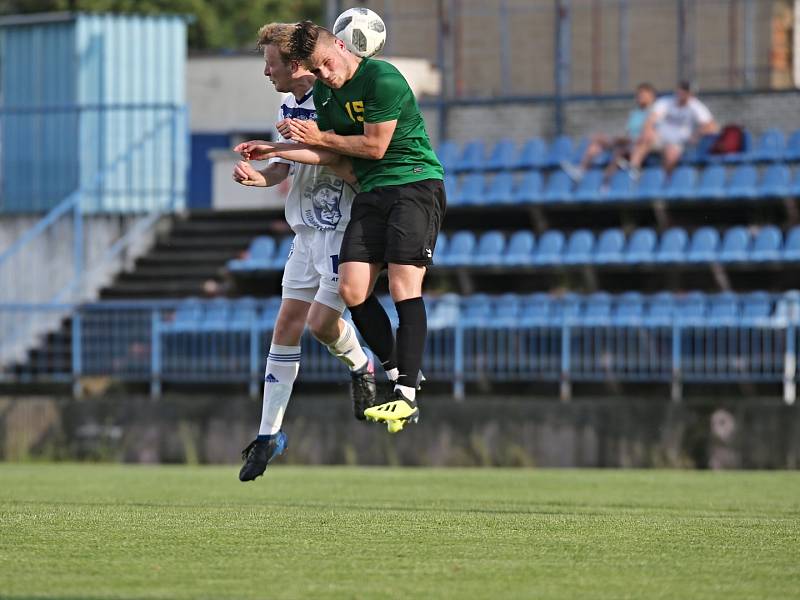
83, 531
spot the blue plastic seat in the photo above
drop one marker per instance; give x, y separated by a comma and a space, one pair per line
501, 157
471, 158
533, 155
701, 152
794, 188
188, 316
471, 190
549, 249
711, 185
767, 244
724, 309
529, 189
640, 246
448, 155
597, 309
558, 189
459, 249
660, 309
446, 313
735, 245
743, 183
621, 187
269, 312
506, 310
520, 248
756, 308
489, 250
651, 184
282, 253
536, 310
579, 248
501, 189
476, 310
703, 246
681, 184
217, 315
259, 255
770, 146
628, 309
440, 249
692, 308
791, 249
450, 187
243, 313
609, 247
745, 155
560, 150
672, 246
579, 149
775, 182
792, 151
588, 189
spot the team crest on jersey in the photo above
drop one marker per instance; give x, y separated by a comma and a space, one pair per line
320, 207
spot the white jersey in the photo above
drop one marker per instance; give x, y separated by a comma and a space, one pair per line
318, 199
675, 123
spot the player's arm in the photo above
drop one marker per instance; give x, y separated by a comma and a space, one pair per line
371, 145
272, 174
302, 153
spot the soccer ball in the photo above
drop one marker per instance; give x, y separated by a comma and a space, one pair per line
362, 31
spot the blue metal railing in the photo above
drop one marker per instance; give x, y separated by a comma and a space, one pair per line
156, 343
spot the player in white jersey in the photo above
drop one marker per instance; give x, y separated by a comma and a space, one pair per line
317, 210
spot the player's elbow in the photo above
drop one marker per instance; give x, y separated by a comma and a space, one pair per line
376, 149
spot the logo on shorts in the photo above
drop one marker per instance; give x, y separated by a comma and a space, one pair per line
428, 252
320, 203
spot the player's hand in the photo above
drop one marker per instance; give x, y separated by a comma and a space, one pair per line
305, 131
255, 150
245, 174
283, 128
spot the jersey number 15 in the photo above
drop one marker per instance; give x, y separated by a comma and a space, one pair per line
355, 110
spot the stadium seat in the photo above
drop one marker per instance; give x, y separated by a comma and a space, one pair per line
746, 155
711, 185
735, 245
723, 309
450, 187
536, 309
520, 248
506, 311
609, 247
703, 246
489, 250
217, 315
588, 189
681, 184
529, 189
188, 315
243, 313
651, 183
672, 246
441, 247
628, 309
775, 182
567, 308
767, 244
621, 187
692, 308
448, 155
549, 249
791, 249
597, 309
446, 312
533, 155
459, 249
640, 246
471, 158
699, 153
794, 188
501, 157
259, 255
559, 188
269, 312
742, 183
792, 150
476, 311
470, 192
787, 306
660, 309
756, 308
501, 189
560, 150
579, 149
770, 146
579, 248
282, 253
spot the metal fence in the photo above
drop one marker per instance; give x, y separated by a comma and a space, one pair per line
150, 342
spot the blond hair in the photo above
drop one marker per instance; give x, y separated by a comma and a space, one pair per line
279, 35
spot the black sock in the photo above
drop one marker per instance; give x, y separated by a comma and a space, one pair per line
374, 326
411, 334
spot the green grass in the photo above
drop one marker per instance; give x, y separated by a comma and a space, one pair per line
84, 531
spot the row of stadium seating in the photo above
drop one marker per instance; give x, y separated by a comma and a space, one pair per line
686, 183
520, 310
536, 153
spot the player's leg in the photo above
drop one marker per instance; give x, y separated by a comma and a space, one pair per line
672, 156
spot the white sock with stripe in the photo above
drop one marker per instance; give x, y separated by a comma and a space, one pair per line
347, 349
283, 363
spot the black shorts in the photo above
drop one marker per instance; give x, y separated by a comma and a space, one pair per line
395, 224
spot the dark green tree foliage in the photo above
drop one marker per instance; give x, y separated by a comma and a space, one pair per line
215, 25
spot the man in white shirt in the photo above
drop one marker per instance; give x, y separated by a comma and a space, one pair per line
674, 122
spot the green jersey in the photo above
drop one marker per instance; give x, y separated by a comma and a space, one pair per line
378, 93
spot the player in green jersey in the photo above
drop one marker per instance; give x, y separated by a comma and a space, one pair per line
367, 111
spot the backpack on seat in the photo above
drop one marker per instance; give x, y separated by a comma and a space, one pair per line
730, 140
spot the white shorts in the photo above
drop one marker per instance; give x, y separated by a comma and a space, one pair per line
312, 269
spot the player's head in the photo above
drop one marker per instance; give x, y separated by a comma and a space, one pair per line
645, 94
323, 54
274, 40
683, 92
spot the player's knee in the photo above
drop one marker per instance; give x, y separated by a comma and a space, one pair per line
352, 294
326, 330
287, 332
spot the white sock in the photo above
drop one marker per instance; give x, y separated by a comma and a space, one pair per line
283, 363
408, 392
392, 374
347, 349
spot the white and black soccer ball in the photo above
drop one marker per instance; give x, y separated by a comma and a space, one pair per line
362, 31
